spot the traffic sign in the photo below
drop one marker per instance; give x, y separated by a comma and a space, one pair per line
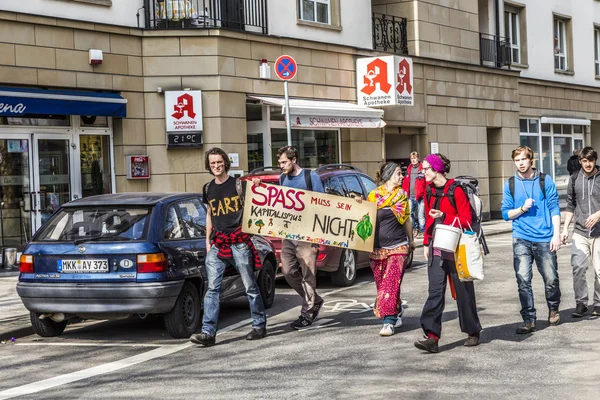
285, 68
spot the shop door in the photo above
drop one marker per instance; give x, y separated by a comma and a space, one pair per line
15, 199
53, 175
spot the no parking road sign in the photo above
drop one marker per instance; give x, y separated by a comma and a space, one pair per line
285, 68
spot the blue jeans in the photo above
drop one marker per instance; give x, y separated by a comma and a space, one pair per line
525, 252
417, 214
215, 267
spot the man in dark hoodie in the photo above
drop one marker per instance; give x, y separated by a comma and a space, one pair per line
583, 203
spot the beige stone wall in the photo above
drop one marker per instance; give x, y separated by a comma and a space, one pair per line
442, 29
51, 52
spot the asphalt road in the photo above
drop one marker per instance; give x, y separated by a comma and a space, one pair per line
342, 356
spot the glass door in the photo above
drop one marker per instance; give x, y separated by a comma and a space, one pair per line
94, 165
52, 175
15, 200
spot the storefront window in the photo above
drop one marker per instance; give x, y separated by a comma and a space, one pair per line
255, 151
15, 224
562, 151
547, 155
95, 165
532, 142
37, 120
316, 147
93, 121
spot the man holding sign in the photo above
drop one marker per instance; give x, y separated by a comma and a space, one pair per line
298, 258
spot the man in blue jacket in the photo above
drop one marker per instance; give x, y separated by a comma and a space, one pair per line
531, 202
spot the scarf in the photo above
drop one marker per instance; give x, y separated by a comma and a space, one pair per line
396, 200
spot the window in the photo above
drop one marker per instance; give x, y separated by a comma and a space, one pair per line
353, 187
368, 183
173, 228
315, 11
513, 34
597, 50
560, 44
193, 216
332, 186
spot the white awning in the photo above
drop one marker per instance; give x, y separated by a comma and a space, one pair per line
326, 114
566, 121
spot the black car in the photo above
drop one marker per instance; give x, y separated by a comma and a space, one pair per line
111, 256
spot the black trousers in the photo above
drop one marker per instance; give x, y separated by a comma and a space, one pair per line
431, 318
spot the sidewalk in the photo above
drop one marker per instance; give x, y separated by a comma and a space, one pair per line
14, 317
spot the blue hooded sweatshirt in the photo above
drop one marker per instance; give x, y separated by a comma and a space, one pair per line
536, 224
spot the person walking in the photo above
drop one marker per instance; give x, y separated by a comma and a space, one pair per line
445, 203
227, 244
530, 201
583, 204
414, 186
393, 242
299, 259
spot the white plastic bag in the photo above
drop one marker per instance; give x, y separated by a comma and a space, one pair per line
469, 258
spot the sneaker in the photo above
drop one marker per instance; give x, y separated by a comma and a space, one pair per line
527, 327
203, 338
398, 323
387, 330
472, 340
256, 334
596, 312
317, 307
301, 323
580, 310
554, 317
428, 344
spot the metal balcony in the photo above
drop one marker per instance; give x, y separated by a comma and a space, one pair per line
238, 15
494, 49
389, 34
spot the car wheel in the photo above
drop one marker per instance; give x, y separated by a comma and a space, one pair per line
183, 319
266, 283
46, 327
346, 273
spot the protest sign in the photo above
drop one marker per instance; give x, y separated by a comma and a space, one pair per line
290, 213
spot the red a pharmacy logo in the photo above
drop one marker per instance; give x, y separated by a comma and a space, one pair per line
377, 73
404, 77
185, 104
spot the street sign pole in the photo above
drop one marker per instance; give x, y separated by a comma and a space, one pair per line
285, 69
288, 124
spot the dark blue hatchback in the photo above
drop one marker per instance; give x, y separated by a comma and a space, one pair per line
111, 256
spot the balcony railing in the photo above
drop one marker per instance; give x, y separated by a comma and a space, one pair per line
389, 34
494, 49
239, 15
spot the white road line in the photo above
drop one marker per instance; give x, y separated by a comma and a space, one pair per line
97, 344
50, 383
163, 350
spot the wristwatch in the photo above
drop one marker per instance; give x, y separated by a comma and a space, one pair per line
522, 211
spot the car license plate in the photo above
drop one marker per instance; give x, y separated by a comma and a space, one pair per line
82, 266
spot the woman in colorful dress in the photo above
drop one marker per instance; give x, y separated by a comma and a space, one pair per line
393, 242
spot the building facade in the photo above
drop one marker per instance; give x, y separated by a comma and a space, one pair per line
467, 106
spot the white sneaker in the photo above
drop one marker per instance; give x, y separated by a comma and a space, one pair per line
387, 330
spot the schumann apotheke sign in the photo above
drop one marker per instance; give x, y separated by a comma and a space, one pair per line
183, 115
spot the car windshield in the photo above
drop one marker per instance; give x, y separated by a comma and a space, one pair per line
116, 223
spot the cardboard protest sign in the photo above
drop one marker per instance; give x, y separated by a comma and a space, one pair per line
290, 213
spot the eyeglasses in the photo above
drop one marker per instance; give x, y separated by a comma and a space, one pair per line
424, 169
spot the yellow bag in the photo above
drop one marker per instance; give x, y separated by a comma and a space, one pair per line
469, 258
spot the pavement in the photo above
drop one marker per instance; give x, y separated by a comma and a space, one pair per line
14, 317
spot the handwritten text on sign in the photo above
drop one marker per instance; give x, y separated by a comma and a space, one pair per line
313, 217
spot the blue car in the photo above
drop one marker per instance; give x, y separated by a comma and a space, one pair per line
117, 255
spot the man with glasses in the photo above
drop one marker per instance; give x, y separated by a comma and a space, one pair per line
299, 259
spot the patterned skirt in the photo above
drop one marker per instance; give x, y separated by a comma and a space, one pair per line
388, 270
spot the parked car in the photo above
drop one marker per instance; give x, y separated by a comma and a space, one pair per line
340, 180
111, 256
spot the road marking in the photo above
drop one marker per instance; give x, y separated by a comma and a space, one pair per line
98, 344
321, 323
350, 305
163, 350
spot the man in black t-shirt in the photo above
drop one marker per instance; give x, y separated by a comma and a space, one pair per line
227, 244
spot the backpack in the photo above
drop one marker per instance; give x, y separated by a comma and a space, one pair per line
511, 185
307, 179
470, 186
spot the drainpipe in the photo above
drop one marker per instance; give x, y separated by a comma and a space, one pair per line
497, 12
